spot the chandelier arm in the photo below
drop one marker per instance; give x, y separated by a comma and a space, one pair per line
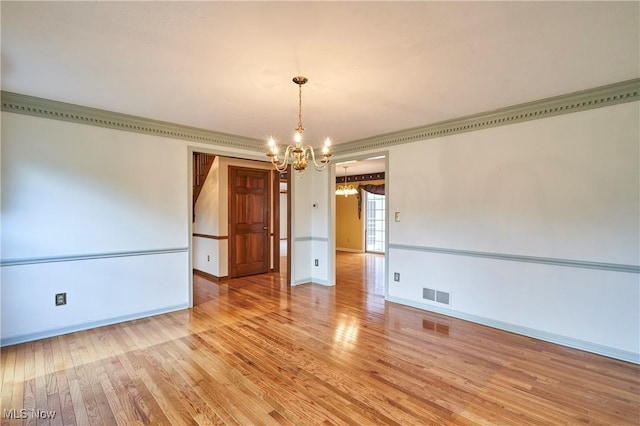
323, 164
281, 167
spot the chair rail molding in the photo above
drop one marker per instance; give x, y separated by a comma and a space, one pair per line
89, 256
615, 267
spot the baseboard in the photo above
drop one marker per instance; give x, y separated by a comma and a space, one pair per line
310, 280
209, 276
8, 341
349, 250
525, 331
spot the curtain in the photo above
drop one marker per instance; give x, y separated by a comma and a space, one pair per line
374, 189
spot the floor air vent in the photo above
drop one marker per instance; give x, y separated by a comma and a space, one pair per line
436, 296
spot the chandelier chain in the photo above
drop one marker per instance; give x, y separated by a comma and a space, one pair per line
300, 128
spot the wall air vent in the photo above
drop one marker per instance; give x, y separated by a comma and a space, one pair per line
429, 294
436, 296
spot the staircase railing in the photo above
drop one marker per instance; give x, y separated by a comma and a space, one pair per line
201, 165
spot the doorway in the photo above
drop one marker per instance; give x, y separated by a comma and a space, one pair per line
360, 232
212, 237
375, 213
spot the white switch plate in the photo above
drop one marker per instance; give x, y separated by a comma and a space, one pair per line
397, 216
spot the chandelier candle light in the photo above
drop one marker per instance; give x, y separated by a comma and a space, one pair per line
298, 154
345, 189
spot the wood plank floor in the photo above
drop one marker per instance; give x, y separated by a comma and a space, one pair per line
253, 351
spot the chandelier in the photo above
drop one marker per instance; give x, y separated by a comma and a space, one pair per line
298, 154
345, 189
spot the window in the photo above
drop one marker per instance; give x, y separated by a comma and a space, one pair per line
375, 222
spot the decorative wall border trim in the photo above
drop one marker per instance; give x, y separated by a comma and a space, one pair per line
39, 107
91, 256
361, 178
626, 91
615, 267
212, 237
524, 331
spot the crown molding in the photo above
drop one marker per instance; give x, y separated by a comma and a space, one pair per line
626, 91
39, 107
617, 93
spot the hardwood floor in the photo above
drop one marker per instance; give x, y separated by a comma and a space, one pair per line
253, 351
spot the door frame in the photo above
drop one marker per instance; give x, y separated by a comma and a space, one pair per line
277, 233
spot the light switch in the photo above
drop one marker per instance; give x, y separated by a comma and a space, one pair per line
397, 216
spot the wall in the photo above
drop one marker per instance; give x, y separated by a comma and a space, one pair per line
284, 219
320, 215
283, 211
310, 224
210, 253
97, 213
531, 227
301, 238
350, 228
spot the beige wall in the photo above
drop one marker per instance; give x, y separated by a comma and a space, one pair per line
350, 229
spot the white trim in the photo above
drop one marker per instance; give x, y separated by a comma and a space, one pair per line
88, 256
571, 263
525, 331
301, 281
14, 340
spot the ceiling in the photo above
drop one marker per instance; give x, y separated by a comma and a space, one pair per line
373, 68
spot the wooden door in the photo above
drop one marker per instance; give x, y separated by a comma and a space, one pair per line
248, 221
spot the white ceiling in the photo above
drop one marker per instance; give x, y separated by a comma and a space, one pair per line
360, 167
373, 67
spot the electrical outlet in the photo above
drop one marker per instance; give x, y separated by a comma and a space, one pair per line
61, 299
396, 276
317, 263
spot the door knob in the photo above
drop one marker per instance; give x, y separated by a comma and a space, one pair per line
265, 228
